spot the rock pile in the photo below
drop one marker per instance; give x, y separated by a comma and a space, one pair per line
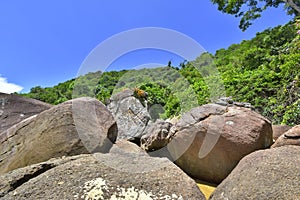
80, 149
227, 101
209, 141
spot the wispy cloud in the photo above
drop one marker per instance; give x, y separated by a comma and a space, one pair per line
8, 88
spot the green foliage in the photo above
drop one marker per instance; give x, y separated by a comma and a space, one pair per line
252, 9
53, 95
264, 71
165, 86
106, 84
160, 96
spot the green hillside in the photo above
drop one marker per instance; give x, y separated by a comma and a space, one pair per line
264, 71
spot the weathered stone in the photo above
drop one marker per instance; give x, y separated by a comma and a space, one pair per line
265, 174
15, 108
278, 130
124, 146
131, 115
79, 126
157, 135
210, 140
291, 137
100, 176
227, 101
15, 178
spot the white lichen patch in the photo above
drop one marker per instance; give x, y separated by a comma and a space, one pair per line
98, 188
131, 194
94, 189
230, 123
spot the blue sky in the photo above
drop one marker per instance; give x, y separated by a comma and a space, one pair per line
45, 42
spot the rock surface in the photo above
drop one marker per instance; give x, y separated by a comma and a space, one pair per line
96, 177
124, 146
75, 127
157, 135
265, 174
227, 101
278, 130
15, 178
14, 108
131, 115
210, 140
291, 137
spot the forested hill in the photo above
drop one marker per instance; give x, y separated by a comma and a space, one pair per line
264, 71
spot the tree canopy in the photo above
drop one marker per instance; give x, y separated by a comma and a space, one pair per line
252, 9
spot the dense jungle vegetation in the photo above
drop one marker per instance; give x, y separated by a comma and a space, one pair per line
264, 71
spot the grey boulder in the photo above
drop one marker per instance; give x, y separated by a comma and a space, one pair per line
131, 115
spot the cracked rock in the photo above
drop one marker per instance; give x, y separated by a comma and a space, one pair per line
131, 115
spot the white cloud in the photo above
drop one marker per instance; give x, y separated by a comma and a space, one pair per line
8, 88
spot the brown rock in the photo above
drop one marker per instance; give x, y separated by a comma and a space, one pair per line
15, 178
100, 176
291, 137
278, 130
211, 139
157, 135
15, 108
79, 126
124, 146
265, 174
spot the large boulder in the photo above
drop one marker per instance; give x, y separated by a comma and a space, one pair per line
130, 113
100, 176
264, 174
278, 130
291, 137
78, 126
15, 108
210, 140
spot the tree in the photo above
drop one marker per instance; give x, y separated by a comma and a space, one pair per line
170, 63
252, 9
